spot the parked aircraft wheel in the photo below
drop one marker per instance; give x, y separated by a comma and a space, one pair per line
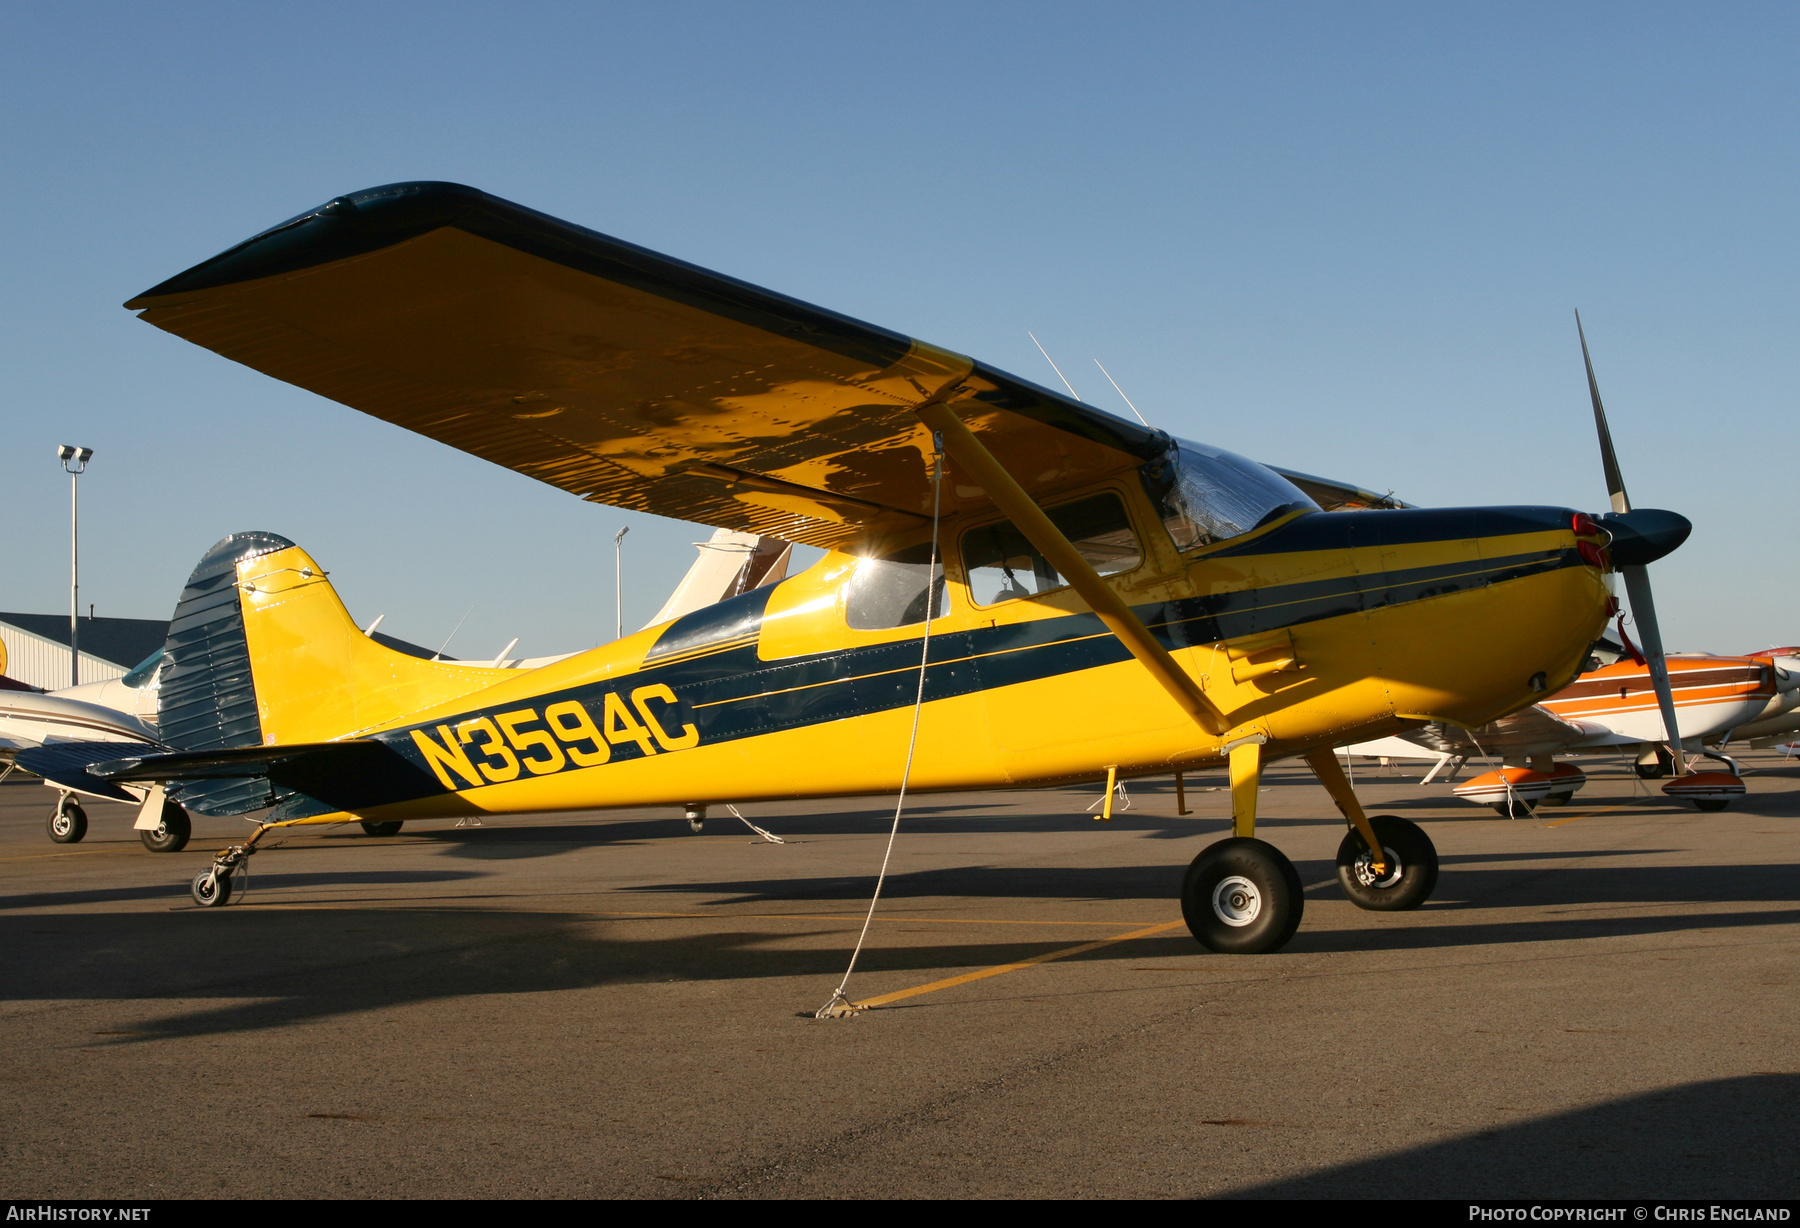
390, 827
210, 889
1411, 866
1710, 803
171, 835
1558, 799
1652, 771
1513, 808
1242, 897
68, 822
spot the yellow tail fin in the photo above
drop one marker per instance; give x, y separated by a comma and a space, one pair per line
314, 674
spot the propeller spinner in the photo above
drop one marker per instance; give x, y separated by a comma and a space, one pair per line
1639, 538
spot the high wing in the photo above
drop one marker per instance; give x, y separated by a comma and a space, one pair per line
623, 376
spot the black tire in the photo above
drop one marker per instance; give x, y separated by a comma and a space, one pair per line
172, 835
1710, 803
1242, 897
1408, 848
1654, 771
1514, 808
210, 890
1558, 799
67, 823
390, 827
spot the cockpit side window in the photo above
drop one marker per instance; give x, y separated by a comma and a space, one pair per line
1209, 495
1004, 566
890, 591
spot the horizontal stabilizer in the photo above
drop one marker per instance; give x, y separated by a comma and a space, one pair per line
235, 763
68, 763
329, 776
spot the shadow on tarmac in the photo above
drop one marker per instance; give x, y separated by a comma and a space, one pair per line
358, 959
179, 890
1722, 1138
377, 966
1531, 886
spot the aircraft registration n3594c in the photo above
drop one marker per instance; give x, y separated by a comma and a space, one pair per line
1064, 594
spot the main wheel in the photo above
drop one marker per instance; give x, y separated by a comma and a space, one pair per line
1410, 870
1710, 803
170, 835
1512, 808
68, 822
1242, 897
1664, 764
1558, 799
210, 889
390, 827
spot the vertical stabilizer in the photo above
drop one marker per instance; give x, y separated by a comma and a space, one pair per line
261, 652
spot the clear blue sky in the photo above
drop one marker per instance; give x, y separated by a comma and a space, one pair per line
1344, 238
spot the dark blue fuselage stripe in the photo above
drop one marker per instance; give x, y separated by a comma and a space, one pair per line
735, 694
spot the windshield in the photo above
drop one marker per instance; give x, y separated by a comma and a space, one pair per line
1214, 495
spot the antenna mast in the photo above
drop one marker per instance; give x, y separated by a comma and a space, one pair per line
1120, 391
1053, 366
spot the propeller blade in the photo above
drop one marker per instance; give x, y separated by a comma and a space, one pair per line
1615, 482
1645, 538
1643, 611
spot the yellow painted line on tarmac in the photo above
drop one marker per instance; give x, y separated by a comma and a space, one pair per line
965, 978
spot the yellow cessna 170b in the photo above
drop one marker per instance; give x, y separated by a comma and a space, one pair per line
1058, 594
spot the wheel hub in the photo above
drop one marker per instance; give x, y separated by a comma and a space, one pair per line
1365, 869
1236, 901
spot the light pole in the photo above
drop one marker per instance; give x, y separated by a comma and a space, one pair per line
619, 583
74, 462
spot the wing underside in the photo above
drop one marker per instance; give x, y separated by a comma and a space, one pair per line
1530, 731
617, 374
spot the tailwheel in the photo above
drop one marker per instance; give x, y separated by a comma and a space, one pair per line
1242, 897
1409, 870
68, 822
170, 835
390, 827
211, 887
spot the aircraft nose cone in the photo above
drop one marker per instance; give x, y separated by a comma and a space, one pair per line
1644, 534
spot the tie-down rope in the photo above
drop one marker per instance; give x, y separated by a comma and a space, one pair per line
840, 1006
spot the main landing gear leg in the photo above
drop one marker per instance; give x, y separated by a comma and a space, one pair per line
1404, 872
211, 887
1241, 896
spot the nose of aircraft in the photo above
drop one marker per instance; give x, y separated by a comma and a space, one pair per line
1644, 534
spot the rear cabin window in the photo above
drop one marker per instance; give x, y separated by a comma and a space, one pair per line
1003, 566
890, 590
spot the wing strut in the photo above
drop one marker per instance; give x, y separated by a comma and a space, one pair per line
1030, 520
